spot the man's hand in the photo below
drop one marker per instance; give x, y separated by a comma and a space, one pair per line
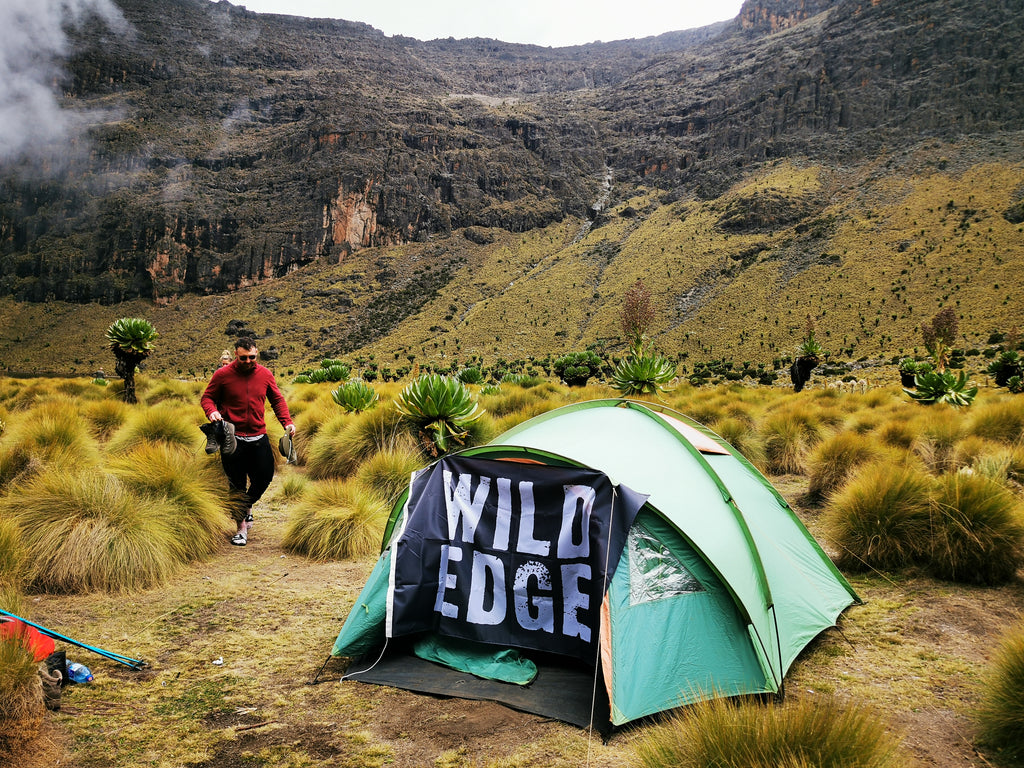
290, 429
215, 416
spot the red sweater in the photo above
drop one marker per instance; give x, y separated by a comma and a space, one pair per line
240, 398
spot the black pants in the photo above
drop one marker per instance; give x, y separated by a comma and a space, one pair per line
249, 469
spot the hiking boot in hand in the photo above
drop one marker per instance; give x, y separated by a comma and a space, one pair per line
227, 437
210, 430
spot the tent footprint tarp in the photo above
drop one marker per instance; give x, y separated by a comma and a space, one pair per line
718, 585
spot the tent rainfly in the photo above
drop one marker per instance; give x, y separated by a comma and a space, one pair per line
598, 563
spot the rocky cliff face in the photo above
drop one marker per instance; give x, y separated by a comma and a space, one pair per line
234, 148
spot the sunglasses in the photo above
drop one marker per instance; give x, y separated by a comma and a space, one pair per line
247, 357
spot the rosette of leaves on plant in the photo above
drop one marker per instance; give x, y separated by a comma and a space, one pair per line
470, 375
910, 368
131, 340
643, 372
945, 387
1007, 365
576, 368
355, 396
441, 408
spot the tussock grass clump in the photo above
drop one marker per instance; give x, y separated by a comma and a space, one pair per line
817, 732
106, 416
515, 418
833, 461
978, 530
310, 422
31, 394
897, 433
387, 473
881, 518
1001, 714
938, 433
704, 412
12, 556
510, 401
174, 389
293, 487
347, 441
971, 448
21, 699
74, 388
86, 531
788, 435
166, 422
194, 485
336, 520
999, 420
50, 434
744, 437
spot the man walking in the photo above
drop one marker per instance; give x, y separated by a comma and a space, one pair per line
238, 393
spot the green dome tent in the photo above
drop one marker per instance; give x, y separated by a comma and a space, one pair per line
714, 590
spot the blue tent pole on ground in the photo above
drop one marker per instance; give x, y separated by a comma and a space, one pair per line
135, 664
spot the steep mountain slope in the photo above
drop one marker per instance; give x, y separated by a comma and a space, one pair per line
859, 163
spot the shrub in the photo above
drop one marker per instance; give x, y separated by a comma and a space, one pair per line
881, 518
834, 460
977, 535
355, 396
576, 368
817, 732
1001, 714
86, 531
440, 408
336, 520
1007, 365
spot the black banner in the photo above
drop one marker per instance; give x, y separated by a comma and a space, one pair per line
508, 553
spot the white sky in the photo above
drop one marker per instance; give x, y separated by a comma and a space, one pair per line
541, 22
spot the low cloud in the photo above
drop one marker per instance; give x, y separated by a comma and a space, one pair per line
33, 47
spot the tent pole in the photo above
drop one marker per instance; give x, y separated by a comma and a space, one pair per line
135, 664
316, 678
